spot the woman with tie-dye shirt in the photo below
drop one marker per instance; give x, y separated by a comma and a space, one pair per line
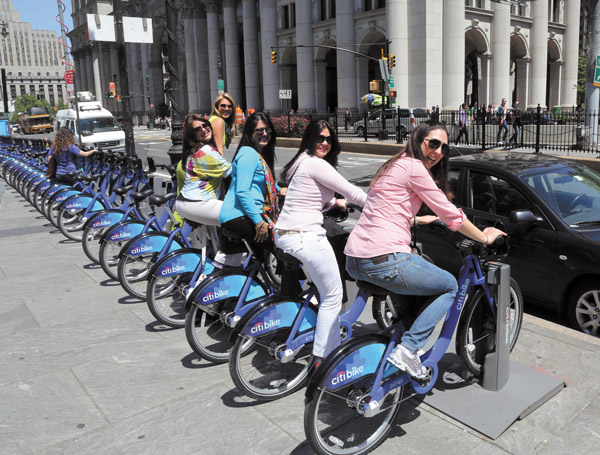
204, 170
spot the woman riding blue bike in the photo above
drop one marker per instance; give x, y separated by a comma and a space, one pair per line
378, 249
312, 181
63, 151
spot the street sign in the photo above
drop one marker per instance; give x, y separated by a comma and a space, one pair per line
220, 86
392, 82
597, 72
285, 94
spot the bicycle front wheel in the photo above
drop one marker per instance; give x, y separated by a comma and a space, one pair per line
334, 420
259, 373
475, 336
166, 298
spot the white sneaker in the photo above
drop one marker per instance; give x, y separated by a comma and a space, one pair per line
406, 360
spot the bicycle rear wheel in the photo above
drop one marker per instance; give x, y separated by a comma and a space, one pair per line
166, 297
259, 373
334, 421
475, 335
91, 243
71, 224
133, 273
108, 256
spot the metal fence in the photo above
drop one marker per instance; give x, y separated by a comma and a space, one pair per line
557, 129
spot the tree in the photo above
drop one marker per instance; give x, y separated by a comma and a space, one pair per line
23, 102
581, 77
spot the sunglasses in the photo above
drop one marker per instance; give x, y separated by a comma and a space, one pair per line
435, 144
322, 139
204, 126
262, 131
225, 106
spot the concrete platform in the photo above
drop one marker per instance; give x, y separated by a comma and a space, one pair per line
86, 370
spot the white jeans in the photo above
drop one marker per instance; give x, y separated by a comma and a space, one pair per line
318, 258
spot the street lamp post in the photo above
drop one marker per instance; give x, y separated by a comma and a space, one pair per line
4, 33
173, 68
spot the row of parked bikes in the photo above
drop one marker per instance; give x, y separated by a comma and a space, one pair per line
236, 314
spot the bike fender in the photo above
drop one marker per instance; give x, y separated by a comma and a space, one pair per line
149, 242
351, 364
103, 219
53, 189
177, 262
222, 285
63, 194
43, 186
123, 231
81, 201
37, 180
280, 315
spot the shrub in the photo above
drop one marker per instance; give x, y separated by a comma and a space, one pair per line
297, 125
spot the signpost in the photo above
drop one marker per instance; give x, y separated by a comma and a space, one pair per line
220, 86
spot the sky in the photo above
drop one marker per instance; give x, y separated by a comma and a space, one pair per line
41, 14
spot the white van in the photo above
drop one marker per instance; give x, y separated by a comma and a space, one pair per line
99, 129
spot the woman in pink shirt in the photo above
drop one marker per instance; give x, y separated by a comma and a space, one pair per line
312, 182
378, 249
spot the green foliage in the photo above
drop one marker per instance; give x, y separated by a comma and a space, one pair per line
296, 128
581, 77
24, 102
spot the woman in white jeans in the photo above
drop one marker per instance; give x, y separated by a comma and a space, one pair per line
312, 182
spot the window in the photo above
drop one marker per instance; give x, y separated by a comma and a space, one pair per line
286, 16
490, 194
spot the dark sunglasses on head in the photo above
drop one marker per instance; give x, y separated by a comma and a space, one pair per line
204, 126
225, 106
262, 131
322, 139
435, 144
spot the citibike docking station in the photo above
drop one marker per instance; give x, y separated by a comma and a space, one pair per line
508, 390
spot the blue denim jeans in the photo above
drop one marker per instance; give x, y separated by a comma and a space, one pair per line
410, 274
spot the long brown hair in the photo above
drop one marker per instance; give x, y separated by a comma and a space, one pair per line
190, 143
439, 172
64, 137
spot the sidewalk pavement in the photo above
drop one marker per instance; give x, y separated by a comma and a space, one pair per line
84, 369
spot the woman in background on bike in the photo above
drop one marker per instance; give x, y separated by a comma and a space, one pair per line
312, 182
251, 206
378, 249
63, 152
222, 119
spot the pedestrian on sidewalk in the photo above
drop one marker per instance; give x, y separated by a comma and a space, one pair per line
515, 120
502, 126
462, 124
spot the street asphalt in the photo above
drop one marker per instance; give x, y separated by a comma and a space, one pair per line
85, 369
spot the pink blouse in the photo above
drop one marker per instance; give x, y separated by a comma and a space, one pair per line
384, 225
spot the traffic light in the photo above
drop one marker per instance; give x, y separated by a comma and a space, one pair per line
393, 94
392, 60
273, 57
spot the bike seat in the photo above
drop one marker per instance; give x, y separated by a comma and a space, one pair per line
123, 189
139, 196
372, 288
158, 200
287, 258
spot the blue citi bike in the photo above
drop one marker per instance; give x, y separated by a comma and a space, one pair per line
355, 395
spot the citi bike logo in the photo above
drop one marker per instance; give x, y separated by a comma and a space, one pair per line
120, 235
260, 326
345, 375
141, 249
215, 295
102, 223
462, 294
173, 269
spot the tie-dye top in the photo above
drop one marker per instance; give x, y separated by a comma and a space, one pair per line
204, 171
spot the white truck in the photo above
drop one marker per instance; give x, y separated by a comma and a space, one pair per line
98, 127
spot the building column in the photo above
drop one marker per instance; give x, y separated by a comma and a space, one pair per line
155, 62
453, 58
90, 71
397, 31
268, 38
539, 54
362, 71
190, 59
95, 55
136, 83
251, 55
522, 80
500, 39
214, 44
202, 66
570, 54
83, 85
144, 68
555, 84
285, 72
77, 62
320, 92
346, 65
232, 53
304, 57
484, 83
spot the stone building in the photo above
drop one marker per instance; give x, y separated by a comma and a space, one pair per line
31, 59
447, 52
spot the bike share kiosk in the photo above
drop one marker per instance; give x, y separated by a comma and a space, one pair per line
496, 371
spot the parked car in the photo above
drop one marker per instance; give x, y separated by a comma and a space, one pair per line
555, 259
409, 120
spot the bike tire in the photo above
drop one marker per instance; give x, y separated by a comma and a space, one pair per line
109, 257
133, 274
71, 225
257, 370
166, 297
475, 335
208, 335
332, 422
91, 243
